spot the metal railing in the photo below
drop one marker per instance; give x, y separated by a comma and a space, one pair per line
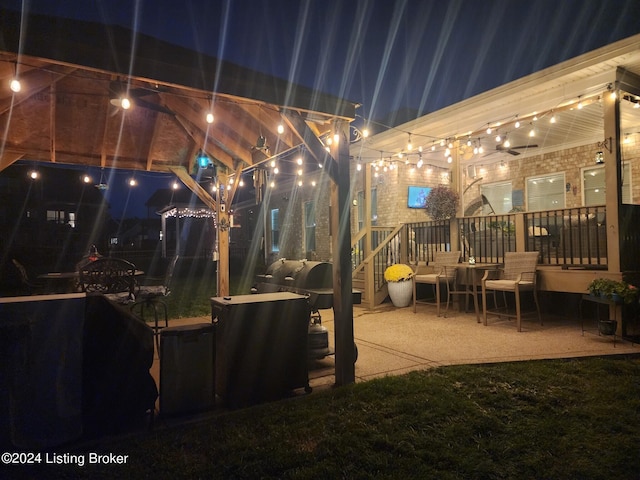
568, 236
488, 238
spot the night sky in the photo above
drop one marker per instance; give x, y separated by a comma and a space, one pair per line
387, 55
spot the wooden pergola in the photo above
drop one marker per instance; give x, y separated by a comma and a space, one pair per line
74, 76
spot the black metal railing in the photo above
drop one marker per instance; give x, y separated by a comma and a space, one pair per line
426, 238
568, 236
488, 238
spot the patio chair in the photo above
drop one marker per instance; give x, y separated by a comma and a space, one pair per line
151, 296
27, 284
435, 274
112, 277
517, 276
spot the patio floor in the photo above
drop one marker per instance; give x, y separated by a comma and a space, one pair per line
394, 341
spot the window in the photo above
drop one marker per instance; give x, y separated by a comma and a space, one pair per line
309, 226
593, 185
545, 192
499, 197
56, 216
275, 230
72, 220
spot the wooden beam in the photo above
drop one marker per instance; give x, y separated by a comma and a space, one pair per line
52, 121
9, 157
312, 143
222, 233
192, 185
342, 284
154, 135
226, 148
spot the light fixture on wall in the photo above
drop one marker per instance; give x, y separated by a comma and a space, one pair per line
599, 157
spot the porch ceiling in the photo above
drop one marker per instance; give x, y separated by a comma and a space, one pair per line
73, 73
554, 91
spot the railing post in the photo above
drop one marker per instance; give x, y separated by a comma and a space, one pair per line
454, 235
520, 232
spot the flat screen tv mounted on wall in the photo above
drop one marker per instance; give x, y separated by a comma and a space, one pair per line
417, 196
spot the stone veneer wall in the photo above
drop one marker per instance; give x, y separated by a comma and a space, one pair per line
570, 162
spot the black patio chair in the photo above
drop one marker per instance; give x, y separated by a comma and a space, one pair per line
151, 297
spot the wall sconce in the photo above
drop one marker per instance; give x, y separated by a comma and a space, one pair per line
606, 143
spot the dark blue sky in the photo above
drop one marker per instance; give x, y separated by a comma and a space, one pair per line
384, 54
387, 55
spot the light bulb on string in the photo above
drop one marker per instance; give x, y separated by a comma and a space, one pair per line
210, 117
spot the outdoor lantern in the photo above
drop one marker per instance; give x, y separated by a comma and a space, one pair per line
203, 159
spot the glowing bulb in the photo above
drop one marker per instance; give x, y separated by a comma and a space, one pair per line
359, 167
313, 184
273, 163
86, 179
336, 138
300, 183
532, 133
125, 103
489, 130
280, 128
132, 182
209, 117
300, 172
498, 138
507, 143
15, 85
553, 119
517, 124
241, 183
272, 184
276, 170
449, 160
175, 185
299, 161
33, 174
365, 133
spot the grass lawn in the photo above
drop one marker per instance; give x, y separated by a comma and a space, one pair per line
552, 419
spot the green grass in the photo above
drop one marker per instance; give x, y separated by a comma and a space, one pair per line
555, 419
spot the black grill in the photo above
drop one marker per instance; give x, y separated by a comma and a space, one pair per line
311, 278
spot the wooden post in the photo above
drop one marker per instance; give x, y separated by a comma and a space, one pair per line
342, 285
222, 233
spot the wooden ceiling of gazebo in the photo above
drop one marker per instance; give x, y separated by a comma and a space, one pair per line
74, 73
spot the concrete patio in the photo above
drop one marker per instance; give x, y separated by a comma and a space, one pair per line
394, 341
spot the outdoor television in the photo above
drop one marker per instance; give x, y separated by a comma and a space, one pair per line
417, 196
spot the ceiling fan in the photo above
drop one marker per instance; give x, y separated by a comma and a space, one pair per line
513, 150
118, 94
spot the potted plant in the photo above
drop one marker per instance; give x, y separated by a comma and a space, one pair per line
441, 203
398, 277
617, 291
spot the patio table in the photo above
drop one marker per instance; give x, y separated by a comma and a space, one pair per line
471, 273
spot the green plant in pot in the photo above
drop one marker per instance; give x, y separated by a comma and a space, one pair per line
617, 291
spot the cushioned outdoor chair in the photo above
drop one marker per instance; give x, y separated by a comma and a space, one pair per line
517, 276
434, 274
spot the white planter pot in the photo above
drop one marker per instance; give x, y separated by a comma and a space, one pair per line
400, 293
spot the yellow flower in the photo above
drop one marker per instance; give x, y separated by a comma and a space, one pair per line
398, 273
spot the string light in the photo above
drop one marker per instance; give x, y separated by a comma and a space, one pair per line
210, 117
15, 85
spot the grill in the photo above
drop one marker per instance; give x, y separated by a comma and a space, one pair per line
312, 279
